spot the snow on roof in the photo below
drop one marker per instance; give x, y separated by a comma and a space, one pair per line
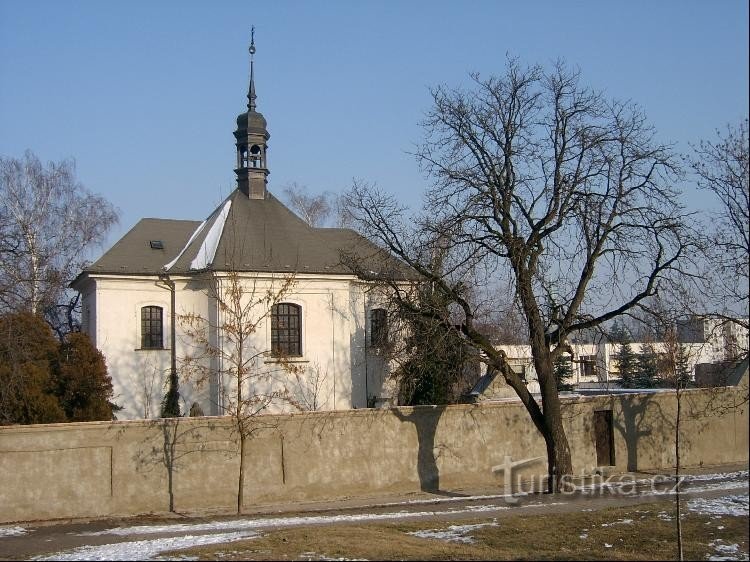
207, 251
190, 240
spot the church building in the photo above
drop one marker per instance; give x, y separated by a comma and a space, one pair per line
172, 296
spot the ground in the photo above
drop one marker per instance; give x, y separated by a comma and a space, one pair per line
620, 518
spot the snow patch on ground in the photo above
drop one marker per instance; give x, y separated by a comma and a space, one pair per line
478, 508
618, 522
725, 551
278, 522
146, 550
716, 476
447, 500
454, 533
726, 505
624, 480
12, 531
540, 504
713, 487
626, 487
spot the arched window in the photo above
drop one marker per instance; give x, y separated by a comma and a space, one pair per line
152, 327
378, 327
286, 330
256, 156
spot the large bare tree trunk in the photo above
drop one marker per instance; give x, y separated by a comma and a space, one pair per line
559, 462
543, 181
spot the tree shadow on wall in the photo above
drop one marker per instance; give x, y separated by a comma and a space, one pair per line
632, 425
425, 420
653, 417
168, 442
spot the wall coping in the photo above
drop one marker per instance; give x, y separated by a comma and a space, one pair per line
356, 412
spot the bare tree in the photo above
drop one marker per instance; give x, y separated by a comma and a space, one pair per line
313, 209
676, 375
227, 352
48, 223
546, 184
323, 209
305, 387
722, 167
675, 372
503, 325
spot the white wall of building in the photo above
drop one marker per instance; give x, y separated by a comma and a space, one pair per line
596, 363
337, 368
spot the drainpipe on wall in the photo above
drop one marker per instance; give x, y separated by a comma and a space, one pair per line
171, 400
367, 358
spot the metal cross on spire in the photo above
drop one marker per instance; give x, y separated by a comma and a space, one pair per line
251, 93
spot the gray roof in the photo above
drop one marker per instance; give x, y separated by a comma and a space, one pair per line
252, 235
133, 254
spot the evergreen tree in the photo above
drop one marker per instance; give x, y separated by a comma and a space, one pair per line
27, 349
45, 381
684, 376
563, 370
438, 358
170, 404
619, 333
625, 357
647, 367
82, 385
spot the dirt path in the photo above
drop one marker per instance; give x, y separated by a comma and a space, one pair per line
148, 535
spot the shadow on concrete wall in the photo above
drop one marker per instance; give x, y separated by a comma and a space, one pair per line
651, 417
632, 425
425, 420
169, 442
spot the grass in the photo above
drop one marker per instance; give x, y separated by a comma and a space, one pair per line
579, 535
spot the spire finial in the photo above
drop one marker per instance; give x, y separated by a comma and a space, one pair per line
251, 93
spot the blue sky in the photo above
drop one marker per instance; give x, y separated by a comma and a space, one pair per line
144, 94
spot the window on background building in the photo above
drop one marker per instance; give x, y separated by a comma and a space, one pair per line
588, 363
378, 327
152, 327
286, 330
519, 368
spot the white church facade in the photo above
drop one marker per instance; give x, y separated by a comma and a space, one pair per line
156, 303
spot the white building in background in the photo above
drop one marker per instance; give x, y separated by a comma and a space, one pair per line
328, 324
707, 342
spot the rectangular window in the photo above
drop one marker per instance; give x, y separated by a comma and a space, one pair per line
152, 327
378, 327
286, 330
519, 367
588, 366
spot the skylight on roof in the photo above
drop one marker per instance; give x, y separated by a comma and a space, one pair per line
156, 244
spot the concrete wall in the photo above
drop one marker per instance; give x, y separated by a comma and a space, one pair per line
122, 468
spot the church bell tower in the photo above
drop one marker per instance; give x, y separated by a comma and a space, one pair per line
252, 142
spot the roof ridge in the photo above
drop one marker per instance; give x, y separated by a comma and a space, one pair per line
162, 219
